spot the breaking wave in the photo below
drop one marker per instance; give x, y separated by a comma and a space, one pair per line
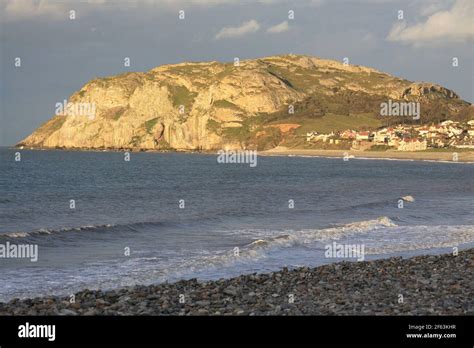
259, 248
87, 228
308, 235
45, 231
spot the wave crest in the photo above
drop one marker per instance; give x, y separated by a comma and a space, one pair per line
308, 236
45, 231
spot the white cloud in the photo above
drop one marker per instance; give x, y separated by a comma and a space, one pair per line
279, 28
434, 6
455, 24
23, 9
245, 28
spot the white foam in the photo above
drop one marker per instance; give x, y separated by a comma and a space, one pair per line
411, 238
260, 248
45, 231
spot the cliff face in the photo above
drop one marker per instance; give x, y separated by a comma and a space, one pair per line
214, 105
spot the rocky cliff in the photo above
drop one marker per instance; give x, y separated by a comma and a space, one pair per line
213, 105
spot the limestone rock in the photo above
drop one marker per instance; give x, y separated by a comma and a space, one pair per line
191, 106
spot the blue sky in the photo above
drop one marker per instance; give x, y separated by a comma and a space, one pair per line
59, 54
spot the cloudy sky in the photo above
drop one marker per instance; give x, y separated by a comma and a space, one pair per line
414, 39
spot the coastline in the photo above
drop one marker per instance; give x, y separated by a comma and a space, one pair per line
430, 156
433, 156
429, 285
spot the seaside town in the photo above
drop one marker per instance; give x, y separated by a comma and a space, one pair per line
447, 134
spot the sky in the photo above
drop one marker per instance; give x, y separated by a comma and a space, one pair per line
61, 50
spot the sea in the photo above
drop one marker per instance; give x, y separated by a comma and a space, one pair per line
99, 221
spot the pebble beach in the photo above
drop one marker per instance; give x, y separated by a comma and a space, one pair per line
421, 285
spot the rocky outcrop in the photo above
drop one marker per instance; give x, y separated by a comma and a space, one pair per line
197, 105
427, 90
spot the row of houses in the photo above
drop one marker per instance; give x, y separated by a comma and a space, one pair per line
405, 137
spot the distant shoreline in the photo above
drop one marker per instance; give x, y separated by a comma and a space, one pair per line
430, 156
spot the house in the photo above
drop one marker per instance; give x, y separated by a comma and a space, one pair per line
348, 134
364, 136
324, 137
432, 135
439, 143
390, 131
423, 132
437, 129
455, 131
447, 123
311, 135
380, 137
